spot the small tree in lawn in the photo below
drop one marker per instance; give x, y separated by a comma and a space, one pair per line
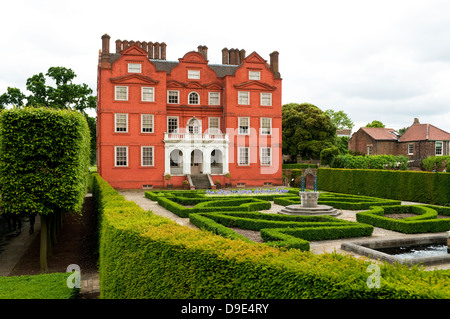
45, 160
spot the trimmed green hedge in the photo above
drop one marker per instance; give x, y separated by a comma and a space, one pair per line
422, 187
45, 286
425, 221
147, 256
169, 201
281, 230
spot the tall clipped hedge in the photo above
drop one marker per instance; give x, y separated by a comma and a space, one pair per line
44, 156
143, 255
422, 187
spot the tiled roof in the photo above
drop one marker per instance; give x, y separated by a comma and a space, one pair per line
167, 66
381, 133
424, 132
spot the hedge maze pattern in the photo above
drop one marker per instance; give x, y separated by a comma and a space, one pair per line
218, 213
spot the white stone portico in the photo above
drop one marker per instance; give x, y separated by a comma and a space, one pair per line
195, 153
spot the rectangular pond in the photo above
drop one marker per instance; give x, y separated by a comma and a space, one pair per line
429, 250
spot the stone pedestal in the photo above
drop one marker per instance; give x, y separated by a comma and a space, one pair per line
309, 199
309, 206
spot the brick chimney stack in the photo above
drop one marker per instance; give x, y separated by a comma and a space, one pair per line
105, 59
203, 50
274, 64
225, 56
416, 121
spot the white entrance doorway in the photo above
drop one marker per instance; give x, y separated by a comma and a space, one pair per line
196, 161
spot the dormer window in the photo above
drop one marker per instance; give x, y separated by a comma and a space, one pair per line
194, 74
134, 68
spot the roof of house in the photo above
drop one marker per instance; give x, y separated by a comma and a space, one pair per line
381, 133
424, 132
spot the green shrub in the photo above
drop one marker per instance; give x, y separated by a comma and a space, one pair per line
425, 220
327, 155
370, 162
422, 187
44, 286
436, 163
147, 256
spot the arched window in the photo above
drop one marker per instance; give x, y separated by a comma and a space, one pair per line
194, 126
194, 98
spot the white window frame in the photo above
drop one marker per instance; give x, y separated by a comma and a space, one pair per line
177, 94
239, 126
194, 74
262, 128
116, 97
134, 68
116, 115
436, 148
189, 98
264, 156
178, 123
369, 150
410, 146
214, 130
240, 163
264, 97
211, 100
152, 94
254, 75
126, 156
243, 98
152, 123
152, 157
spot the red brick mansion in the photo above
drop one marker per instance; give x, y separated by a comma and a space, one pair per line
180, 122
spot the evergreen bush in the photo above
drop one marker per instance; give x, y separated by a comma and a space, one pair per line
422, 187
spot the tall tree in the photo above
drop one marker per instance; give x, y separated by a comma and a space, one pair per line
306, 130
64, 95
375, 123
340, 119
45, 156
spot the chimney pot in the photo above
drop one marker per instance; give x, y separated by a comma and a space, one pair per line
416, 121
163, 51
150, 50
241, 56
274, 64
118, 46
225, 56
105, 59
157, 46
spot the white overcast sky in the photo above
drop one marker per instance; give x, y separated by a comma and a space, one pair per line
375, 60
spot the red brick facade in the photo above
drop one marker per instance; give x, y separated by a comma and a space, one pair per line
186, 117
418, 142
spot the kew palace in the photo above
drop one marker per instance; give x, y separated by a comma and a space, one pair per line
187, 122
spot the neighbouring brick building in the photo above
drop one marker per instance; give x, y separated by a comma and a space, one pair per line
187, 118
418, 142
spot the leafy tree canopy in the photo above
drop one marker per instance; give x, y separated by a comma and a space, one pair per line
375, 123
66, 94
340, 119
307, 130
